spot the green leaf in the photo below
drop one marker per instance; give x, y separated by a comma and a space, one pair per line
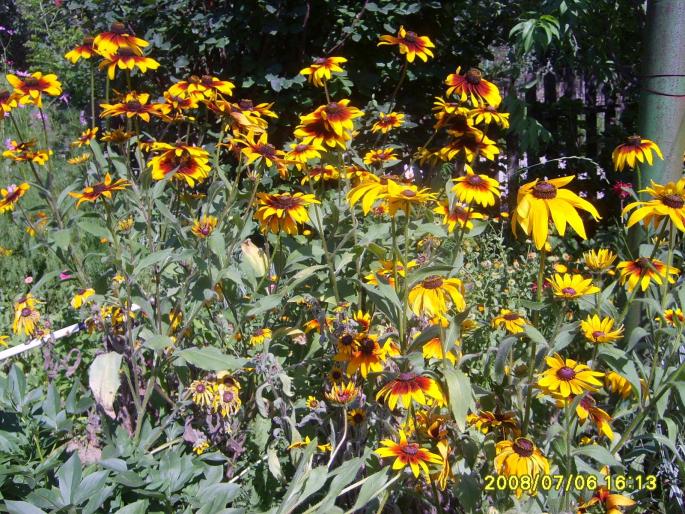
598, 453
90, 486
535, 335
103, 380
139, 507
158, 342
266, 303
69, 478
502, 355
14, 507
210, 359
62, 238
152, 259
370, 489
460, 395
94, 228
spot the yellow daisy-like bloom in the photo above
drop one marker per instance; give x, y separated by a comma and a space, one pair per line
201, 392
356, 417
282, 212
204, 87
618, 384
370, 189
433, 295
330, 124
433, 350
472, 142
610, 502
643, 271
26, 318
23, 152
200, 446
100, 190
259, 149
635, 150
85, 50
226, 400
81, 297
458, 214
587, 409
472, 86
86, 137
403, 196
520, 457
312, 403
674, 317
668, 202
204, 227
116, 37
318, 173
569, 286
367, 356
320, 70
537, 201
343, 393
118, 136
410, 44
133, 104
600, 330
261, 335
187, 163
29, 89
378, 157
511, 321
410, 386
567, 377
10, 195
8, 101
408, 454
387, 272
486, 421
488, 114
127, 58
387, 122
474, 188
306, 441
336, 374
79, 159
301, 153
599, 260
3, 340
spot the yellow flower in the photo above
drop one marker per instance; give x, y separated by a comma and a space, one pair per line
387, 122
26, 318
3, 340
410, 386
205, 87
133, 104
643, 270
403, 196
312, 402
472, 142
305, 442
520, 457
320, 173
598, 330
329, 124
618, 384
472, 86
474, 188
116, 37
200, 446
599, 260
433, 295
366, 356
283, 212
226, 400
201, 393
634, 151
10, 196
512, 321
378, 157
537, 201
567, 377
79, 159
587, 408
86, 137
100, 190
83, 51
259, 149
369, 189
127, 58
81, 297
187, 163
29, 89
356, 417
485, 421
673, 317
261, 335
410, 44
320, 70
488, 114
387, 271
342, 393
569, 286
204, 227
610, 502
301, 153
408, 453
668, 203
433, 350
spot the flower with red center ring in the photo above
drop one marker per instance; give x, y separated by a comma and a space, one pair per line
85, 50
283, 212
325, 173
587, 409
367, 357
485, 421
319, 72
407, 387
472, 142
343, 393
117, 136
643, 270
611, 502
259, 149
127, 58
488, 114
24, 152
177, 104
569, 286
387, 122
673, 317
133, 104
8, 101
635, 150
10, 195
100, 190
404, 196
600, 330
458, 214
204, 227
301, 153
433, 296
204, 87
86, 137
408, 454
521, 457
472, 86
330, 124
29, 89
410, 44
511, 321
186, 163
380, 156
474, 188
668, 203
116, 37
567, 377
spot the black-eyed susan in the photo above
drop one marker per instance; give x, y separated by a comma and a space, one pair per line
100, 190
336, 374
386, 272
472, 86
258, 149
387, 122
8, 101
10, 195
642, 271
567, 377
116, 37
408, 454
204, 226
600, 260
133, 104
511, 321
367, 356
200, 446
520, 457
26, 318
404, 196
488, 114
343, 393
674, 317
486, 421
475, 188
260, 336
176, 105
79, 159
117, 136
127, 58
203, 87
408, 387
283, 212
323, 173
29, 89
668, 203
410, 44
433, 350
618, 384
86, 137
320, 71
26, 152
81, 297
3, 340
634, 151
610, 502
356, 417
370, 189
587, 409
329, 124
226, 399
540, 200
301, 153
434, 295
600, 330
457, 215
85, 50
303, 443
380, 156
187, 163
569, 286
201, 393
472, 142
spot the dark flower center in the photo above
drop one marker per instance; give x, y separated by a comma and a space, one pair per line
118, 28
266, 150
634, 140
133, 105
643, 263
569, 291
432, 282
32, 82
587, 402
490, 108
259, 332
284, 202
411, 449
409, 193
544, 190
459, 211
320, 60
357, 417
194, 79
205, 230
523, 447
26, 312
368, 346
511, 316
301, 148
88, 41
99, 188
334, 109
475, 180
4, 94
336, 374
207, 80
673, 201
347, 340
597, 334
125, 51
245, 104
200, 388
473, 76
228, 396
565, 373
406, 377
80, 292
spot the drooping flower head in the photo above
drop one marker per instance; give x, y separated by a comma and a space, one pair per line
8, 101
329, 124
610, 502
472, 142
283, 212
116, 37
487, 421
319, 72
404, 196
201, 88
472, 86
10, 195
488, 114
379, 156
668, 203
635, 150
301, 153
410, 44
259, 149
410, 386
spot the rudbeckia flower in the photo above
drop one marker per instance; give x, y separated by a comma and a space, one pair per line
24, 152
356, 417
370, 189
599, 260
283, 212
301, 153
635, 150
410, 44
387, 272
570, 286
85, 50
330, 124
600, 330
86, 137
226, 399
29, 89
403, 196
118, 136
387, 122
204, 87
378, 157
433, 350
567, 377
259, 149
472, 142
474, 188
367, 357
320, 70
117, 37
587, 409
408, 454
486, 421
520, 457
643, 270
127, 58
8, 101
320, 173
187, 163
472, 86
488, 114
204, 227
343, 393
133, 104
261, 335
433, 296
101, 189
511, 321
81, 297
306, 441
674, 317
539, 200
26, 319
407, 387
668, 202
610, 502
11, 195
458, 214
618, 384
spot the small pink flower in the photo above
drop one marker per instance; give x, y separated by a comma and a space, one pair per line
28, 280
65, 275
622, 189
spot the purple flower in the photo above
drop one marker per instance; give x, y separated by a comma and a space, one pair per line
9, 145
562, 165
82, 118
65, 98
